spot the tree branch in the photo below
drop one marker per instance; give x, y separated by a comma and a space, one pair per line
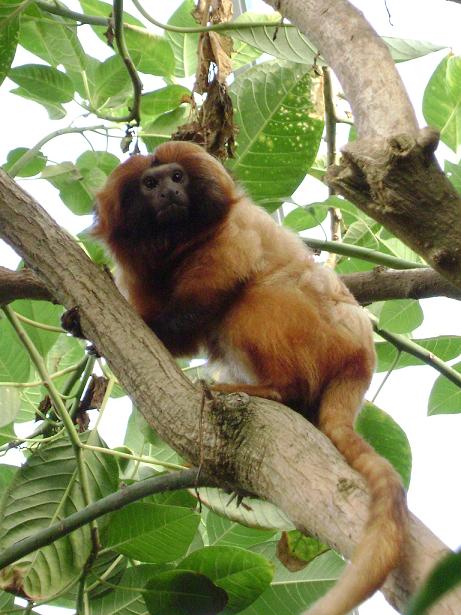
380, 284
390, 172
115, 501
256, 447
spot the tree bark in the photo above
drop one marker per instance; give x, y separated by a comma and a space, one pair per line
253, 446
390, 172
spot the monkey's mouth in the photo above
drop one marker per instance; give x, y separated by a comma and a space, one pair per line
172, 213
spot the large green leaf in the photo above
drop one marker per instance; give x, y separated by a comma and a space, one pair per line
33, 167
292, 592
42, 312
10, 11
442, 101
445, 347
445, 397
10, 404
444, 576
184, 45
453, 172
161, 129
126, 600
52, 38
153, 104
44, 490
78, 183
401, 315
110, 78
288, 43
222, 532
44, 82
152, 533
151, 53
242, 574
408, 49
55, 110
14, 360
279, 130
257, 514
180, 592
387, 438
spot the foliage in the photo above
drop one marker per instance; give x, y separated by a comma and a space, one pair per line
154, 554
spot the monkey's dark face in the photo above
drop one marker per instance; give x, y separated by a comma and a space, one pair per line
164, 190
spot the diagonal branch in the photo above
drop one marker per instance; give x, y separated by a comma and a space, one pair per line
256, 446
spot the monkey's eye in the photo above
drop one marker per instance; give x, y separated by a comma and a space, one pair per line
150, 182
177, 176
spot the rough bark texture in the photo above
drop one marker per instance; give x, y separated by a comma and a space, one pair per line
22, 284
390, 171
260, 447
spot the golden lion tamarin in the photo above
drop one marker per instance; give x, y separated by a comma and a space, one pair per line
207, 269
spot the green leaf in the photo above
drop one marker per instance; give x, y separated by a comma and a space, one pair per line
52, 38
165, 99
164, 126
55, 110
257, 514
14, 360
152, 54
442, 101
152, 532
110, 78
444, 576
241, 574
7, 473
43, 82
223, 532
293, 592
6, 435
128, 600
401, 315
67, 351
306, 217
303, 548
242, 53
104, 9
445, 347
79, 183
279, 130
387, 438
403, 50
445, 397
33, 167
179, 592
184, 45
42, 312
284, 43
94, 248
10, 404
10, 11
44, 490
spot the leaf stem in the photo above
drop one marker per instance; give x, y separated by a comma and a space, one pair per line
39, 325
407, 345
33, 151
363, 253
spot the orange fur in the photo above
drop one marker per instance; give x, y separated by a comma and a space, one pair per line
278, 324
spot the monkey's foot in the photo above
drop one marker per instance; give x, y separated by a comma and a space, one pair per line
255, 390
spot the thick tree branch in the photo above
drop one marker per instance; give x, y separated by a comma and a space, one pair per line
258, 446
390, 172
380, 284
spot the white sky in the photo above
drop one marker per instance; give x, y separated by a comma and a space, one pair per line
434, 491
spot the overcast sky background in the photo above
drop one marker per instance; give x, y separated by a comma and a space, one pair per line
434, 491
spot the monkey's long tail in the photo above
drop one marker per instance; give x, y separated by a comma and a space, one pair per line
380, 548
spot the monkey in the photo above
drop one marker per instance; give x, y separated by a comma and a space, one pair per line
208, 269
